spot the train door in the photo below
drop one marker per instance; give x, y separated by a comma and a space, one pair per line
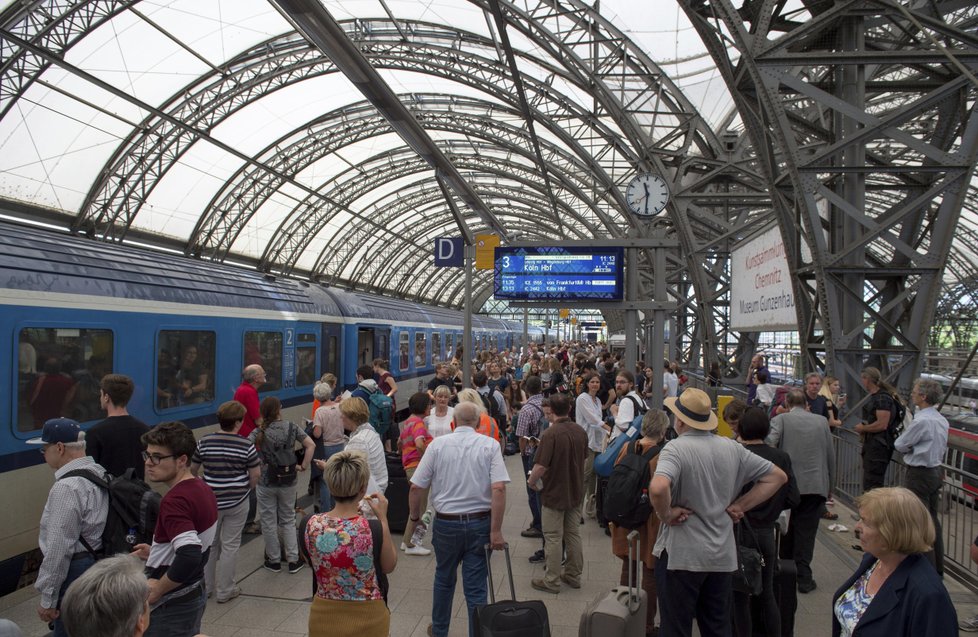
382, 343
365, 346
330, 352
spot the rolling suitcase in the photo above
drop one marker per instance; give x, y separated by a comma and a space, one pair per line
621, 611
396, 494
786, 593
510, 618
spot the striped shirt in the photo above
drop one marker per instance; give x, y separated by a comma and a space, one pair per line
227, 459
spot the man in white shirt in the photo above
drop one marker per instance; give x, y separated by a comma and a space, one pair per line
924, 445
466, 477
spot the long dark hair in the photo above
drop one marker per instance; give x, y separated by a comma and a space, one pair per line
271, 409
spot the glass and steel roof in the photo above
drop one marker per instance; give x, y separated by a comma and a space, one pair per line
214, 128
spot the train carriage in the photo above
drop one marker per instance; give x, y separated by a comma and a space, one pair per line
72, 310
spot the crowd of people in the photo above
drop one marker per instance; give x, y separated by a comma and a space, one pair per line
561, 409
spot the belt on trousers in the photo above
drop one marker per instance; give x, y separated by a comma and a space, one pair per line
462, 517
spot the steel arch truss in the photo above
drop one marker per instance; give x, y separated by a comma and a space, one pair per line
465, 117
602, 108
862, 114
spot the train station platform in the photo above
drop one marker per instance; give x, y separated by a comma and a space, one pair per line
277, 604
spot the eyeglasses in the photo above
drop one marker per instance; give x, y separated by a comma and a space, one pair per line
155, 458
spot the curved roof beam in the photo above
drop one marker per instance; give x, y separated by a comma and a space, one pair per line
230, 209
57, 28
393, 262
317, 24
156, 144
355, 244
471, 118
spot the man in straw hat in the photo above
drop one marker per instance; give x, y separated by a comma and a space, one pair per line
695, 494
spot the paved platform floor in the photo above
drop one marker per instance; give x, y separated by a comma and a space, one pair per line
277, 604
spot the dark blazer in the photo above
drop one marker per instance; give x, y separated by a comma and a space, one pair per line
912, 601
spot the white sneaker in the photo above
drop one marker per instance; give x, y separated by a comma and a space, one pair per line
416, 550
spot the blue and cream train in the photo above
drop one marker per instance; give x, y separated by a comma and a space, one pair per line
72, 310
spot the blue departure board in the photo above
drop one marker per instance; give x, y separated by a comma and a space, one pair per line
559, 274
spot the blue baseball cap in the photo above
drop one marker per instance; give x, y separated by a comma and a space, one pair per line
64, 430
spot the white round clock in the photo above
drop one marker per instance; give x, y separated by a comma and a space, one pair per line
647, 194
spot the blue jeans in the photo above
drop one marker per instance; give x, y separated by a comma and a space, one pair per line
457, 542
325, 499
179, 617
75, 570
531, 496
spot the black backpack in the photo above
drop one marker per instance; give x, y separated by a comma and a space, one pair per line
492, 407
626, 498
133, 509
896, 425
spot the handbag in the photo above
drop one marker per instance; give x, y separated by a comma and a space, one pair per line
747, 579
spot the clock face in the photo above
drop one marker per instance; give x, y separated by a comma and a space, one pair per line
647, 194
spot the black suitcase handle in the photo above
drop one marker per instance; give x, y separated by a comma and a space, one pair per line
509, 571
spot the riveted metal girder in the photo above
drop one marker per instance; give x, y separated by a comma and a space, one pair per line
867, 175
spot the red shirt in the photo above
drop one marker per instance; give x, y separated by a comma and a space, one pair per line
247, 395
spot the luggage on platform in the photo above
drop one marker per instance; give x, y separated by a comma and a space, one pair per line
510, 618
621, 611
785, 593
398, 486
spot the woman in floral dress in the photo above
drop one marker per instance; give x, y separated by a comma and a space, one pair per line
350, 555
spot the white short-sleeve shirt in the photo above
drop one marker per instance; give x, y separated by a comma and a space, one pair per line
460, 469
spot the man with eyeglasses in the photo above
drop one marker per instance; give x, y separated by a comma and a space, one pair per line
183, 536
76, 508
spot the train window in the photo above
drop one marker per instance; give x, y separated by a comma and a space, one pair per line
420, 350
305, 368
383, 347
436, 353
449, 345
265, 349
184, 368
58, 374
404, 350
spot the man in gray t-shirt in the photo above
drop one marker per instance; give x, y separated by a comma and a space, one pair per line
694, 492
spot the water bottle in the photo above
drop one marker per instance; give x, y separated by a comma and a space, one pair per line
421, 529
644, 498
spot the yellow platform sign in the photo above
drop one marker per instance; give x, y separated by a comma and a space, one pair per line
485, 251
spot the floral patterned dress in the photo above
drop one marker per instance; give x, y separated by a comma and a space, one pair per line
341, 552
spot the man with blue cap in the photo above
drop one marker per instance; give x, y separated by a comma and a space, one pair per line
76, 508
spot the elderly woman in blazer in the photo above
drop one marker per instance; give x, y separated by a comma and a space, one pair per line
895, 591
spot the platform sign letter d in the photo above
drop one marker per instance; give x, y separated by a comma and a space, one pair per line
448, 252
